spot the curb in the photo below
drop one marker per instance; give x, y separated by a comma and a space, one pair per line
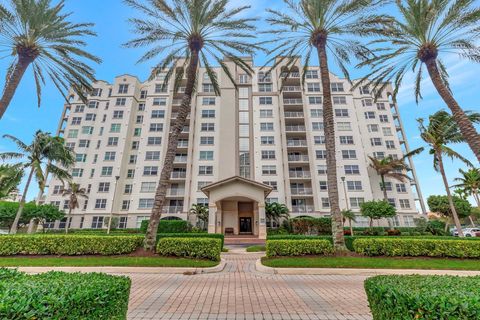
131, 270
358, 272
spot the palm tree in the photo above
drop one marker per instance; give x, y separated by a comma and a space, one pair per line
10, 178
440, 131
469, 183
391, 168
201, 212
275, 211
37, 33
350, 216
202, 31
324, 26
44, 151
422, 31
74, 192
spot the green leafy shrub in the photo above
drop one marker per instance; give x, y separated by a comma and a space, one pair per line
310, 225
68, 244
417, 247
423, 297
198, 248
374, 231
8, 211
63, 296
275, 248
436, 227
192, 235
168, 226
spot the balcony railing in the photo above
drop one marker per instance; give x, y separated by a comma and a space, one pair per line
295, 128
302, 191
177, 102
291, 75
298, 157
292, 101
172, 209
302, 209
176, 192
292, 88
182, 159
291, 114
296, 143
299, 174
178, 175
182, 144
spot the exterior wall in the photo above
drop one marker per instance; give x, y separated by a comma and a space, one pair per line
291, 120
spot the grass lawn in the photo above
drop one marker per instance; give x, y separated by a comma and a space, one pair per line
371, 263
256, 248
111, 261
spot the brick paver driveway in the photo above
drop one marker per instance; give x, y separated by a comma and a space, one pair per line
239, 292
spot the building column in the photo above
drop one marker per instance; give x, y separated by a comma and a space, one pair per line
262, 225
212, 217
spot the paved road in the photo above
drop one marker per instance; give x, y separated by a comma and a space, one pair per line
239, 292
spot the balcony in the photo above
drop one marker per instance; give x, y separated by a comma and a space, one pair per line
293, 101
292, 89
303, 209
176, 193
180, 159
294, 75
302, 191
298, 128
182, 144
172, 209
177, 102
298, 158
178, 175
300, 174
296, 143
295, 115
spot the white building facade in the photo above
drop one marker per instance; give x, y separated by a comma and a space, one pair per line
269, 132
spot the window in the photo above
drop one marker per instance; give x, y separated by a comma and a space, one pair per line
337, 87
316, 113
115, 127
104, 187
73, 133
135, 145
90, 117
145, 204
267, 140
130, 173
156, 127
150, 171
57, 189
143, 94
341, 113
106, 171
207, 87
77, 172
381, 106
314, 100
204, 141
122, 222
118, 114
265, 87
137, 132
392, 202
205, 170
367, 102
70, 145
349, 154
354, 185
128, 189
148, 187
208, 113
79, 108
158, 114
207, 127
152, 155
323, 185
339, 100
401, 188
264, 113
373, 128
356, 202
126, 205
109, 156
84, 143
313, 87
100, 203
141, 107
123, 88
311, 74
317, 126
132, 159
346, 140
160, 88
206, 155
369, 115
208, 101
266, 126
364, 90
80, 157
325, 203
376, 142
268, 154
87, 130
97, 223
243, 78
352, 169
344, 126
93, 104
202, 184
152, 141
379, 155
409, 221
76, 121
322, 169
321, 154
112, 141
159, 101
383, 118
266, 100
387, 131
121, 102
269, 170
319, 140
390, 144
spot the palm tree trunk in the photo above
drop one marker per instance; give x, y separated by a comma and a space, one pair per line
475, 196
12, 83
371, 222
351, 228
151, 235
449, 195
329, 130
33, 224
466, 127
68, 219
384, 188
14, 228
471, 221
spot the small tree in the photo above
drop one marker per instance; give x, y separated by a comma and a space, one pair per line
441, 205
8, 211
376, 210
74, 193
350, 216
275, 211
201, 212
10, 178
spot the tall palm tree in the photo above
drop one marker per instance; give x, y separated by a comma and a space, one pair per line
44, 151
423, 30
275, 211
438, 133
350, 216
326, 27
392, 168
10, 178
37, 33
186, 34
74, 193
469, 182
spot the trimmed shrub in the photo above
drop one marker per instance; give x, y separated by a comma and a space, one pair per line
424, 297
417, 247
69, 245
348, 240
168, 226
277, 248
192, 235
63, 296
309, 225
198, 248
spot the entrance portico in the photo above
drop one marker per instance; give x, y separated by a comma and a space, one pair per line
237, 206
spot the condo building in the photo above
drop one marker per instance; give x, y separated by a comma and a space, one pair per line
260, 142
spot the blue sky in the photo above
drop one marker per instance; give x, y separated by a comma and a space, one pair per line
23, 117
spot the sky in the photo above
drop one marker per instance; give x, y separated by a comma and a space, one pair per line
110, 17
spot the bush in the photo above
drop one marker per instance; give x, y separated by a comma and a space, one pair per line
63, 296
68, 244
436, 227
417, 247
309, 225
276, 248
424, 297
199, 248
394, 232
374, 231
192, 235
168, 226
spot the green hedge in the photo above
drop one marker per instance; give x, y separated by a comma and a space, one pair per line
68, 244
168, 226
192, 235
424, 297
275, 248
417, 247
310, 225
63, 296
198, 248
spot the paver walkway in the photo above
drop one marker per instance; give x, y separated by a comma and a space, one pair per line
240, 292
